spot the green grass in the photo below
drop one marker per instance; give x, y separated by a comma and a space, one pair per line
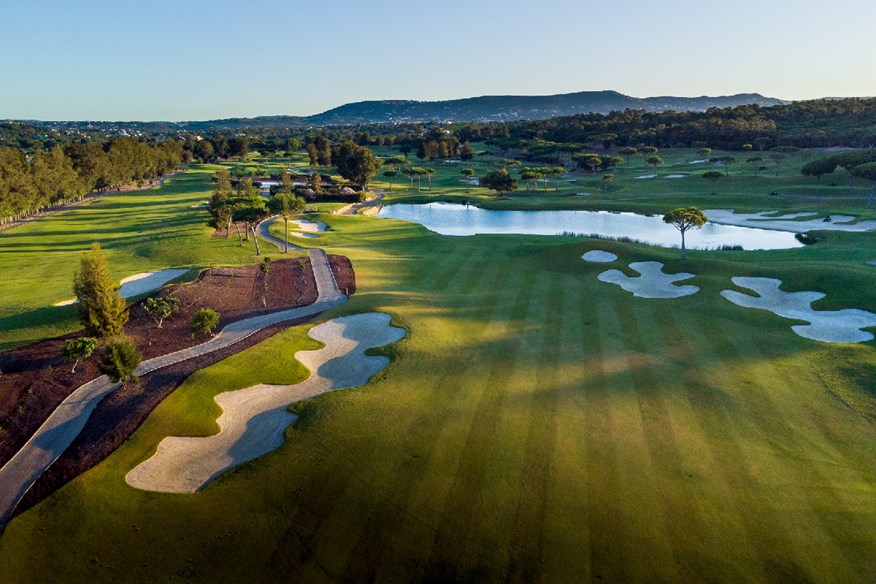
139, 231
535, 424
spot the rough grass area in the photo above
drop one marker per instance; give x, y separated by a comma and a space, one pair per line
535, 424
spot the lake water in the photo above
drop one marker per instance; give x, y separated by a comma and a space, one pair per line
454, 219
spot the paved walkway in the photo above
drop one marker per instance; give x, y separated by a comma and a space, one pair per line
66, 422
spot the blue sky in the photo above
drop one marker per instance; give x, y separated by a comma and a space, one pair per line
192, 59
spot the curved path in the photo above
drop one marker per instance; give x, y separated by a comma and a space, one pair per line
66, 422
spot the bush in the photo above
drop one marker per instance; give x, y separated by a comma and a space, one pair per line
75, 350
808, 238
121, 360
204, 321
160, 308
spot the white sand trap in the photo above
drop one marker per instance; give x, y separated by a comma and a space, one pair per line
647, 176
307, 229
675, 176
652, 283
789, 222
309, 226
148, 281
597, 256
254, 419
140, 283
697, 161
583, 194
871, 263
830, 326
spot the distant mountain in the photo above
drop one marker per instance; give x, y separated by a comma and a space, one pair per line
519, 107
474, 109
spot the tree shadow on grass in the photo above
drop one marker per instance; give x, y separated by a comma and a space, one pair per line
60, 318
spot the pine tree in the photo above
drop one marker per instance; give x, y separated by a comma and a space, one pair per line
102, 311
121, 360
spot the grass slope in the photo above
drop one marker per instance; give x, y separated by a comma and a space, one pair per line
536, 424
139, 231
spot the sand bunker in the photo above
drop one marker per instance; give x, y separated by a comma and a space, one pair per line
871, 263
597, 256
254, 419
310, 226
830, 326
697, 161
307, 229
647, 176
583, 194
140, 284
675, 176
652, 283
789, 222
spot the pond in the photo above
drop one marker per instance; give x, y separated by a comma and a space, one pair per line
455, 219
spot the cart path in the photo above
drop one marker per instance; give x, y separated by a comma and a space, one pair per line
66, 422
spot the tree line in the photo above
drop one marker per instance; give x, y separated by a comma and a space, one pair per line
61, 175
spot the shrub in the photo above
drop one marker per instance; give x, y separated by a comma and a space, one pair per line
121, 360
160, 308
75, 350
204, 321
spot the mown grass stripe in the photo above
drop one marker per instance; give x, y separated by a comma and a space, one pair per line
768, 542
566, 539
808, 491
607, 492
673, 439
415, 511
458, 529
531, 540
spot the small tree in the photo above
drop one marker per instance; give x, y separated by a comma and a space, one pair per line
356, 163
684, 219
285, 182
500, 181
628, 152
286, 205
606, 182
390, 174
76, 350
467, 173
648, 151
204, 321
121, 360
867, 171
251, 214
819, 168
655, 161
159, 308
531, 176
712, 175
265, 268
101, 309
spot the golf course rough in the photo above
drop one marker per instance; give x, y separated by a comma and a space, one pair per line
254, 419
829, 326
